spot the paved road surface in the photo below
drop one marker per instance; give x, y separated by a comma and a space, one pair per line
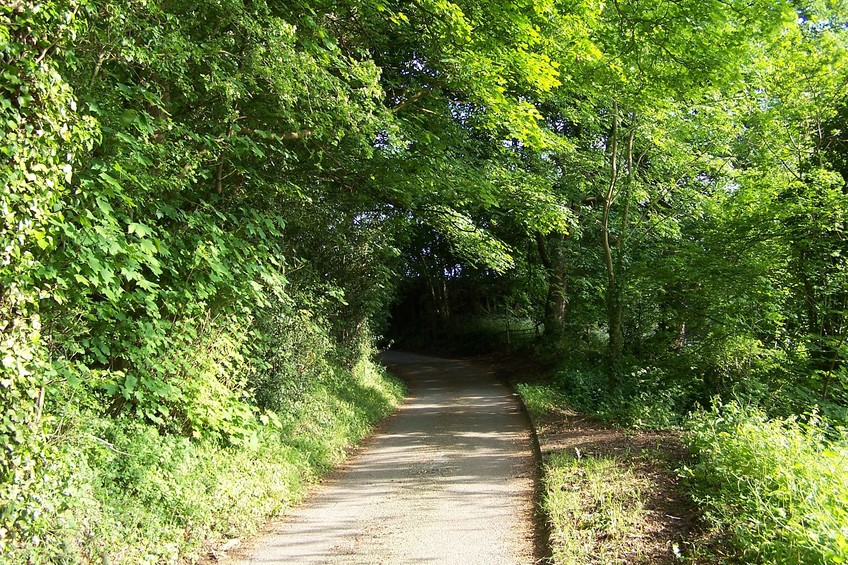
449, 479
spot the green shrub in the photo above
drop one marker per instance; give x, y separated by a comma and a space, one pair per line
292, 353
777, 487
647, 398
585, 388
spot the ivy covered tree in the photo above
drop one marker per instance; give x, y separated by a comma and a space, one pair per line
43, 138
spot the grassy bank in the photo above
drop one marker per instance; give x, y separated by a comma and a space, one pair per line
610, 494
119, 491
766, 489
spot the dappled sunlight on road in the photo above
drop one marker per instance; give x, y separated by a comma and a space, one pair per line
449, 480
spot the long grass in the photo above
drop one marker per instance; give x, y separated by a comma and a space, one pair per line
138, 496
595, 507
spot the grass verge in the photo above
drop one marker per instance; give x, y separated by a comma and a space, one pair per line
756, 490
596, 509
611, 495
138, 496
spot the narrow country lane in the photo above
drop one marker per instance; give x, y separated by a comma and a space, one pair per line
449, 479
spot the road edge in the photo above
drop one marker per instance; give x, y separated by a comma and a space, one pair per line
542, 549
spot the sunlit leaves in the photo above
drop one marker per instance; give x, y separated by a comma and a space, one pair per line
41, 139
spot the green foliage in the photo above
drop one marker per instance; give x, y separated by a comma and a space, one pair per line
207, 207
41, 136
540, 399
583, 387
648, 397
295, 354
149, 152
125, 492
777, 487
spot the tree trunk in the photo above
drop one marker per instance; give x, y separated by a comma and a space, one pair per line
615, 345
551, 256
613, 293
614, 260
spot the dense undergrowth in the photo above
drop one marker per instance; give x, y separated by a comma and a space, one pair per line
776, 488
122, 491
